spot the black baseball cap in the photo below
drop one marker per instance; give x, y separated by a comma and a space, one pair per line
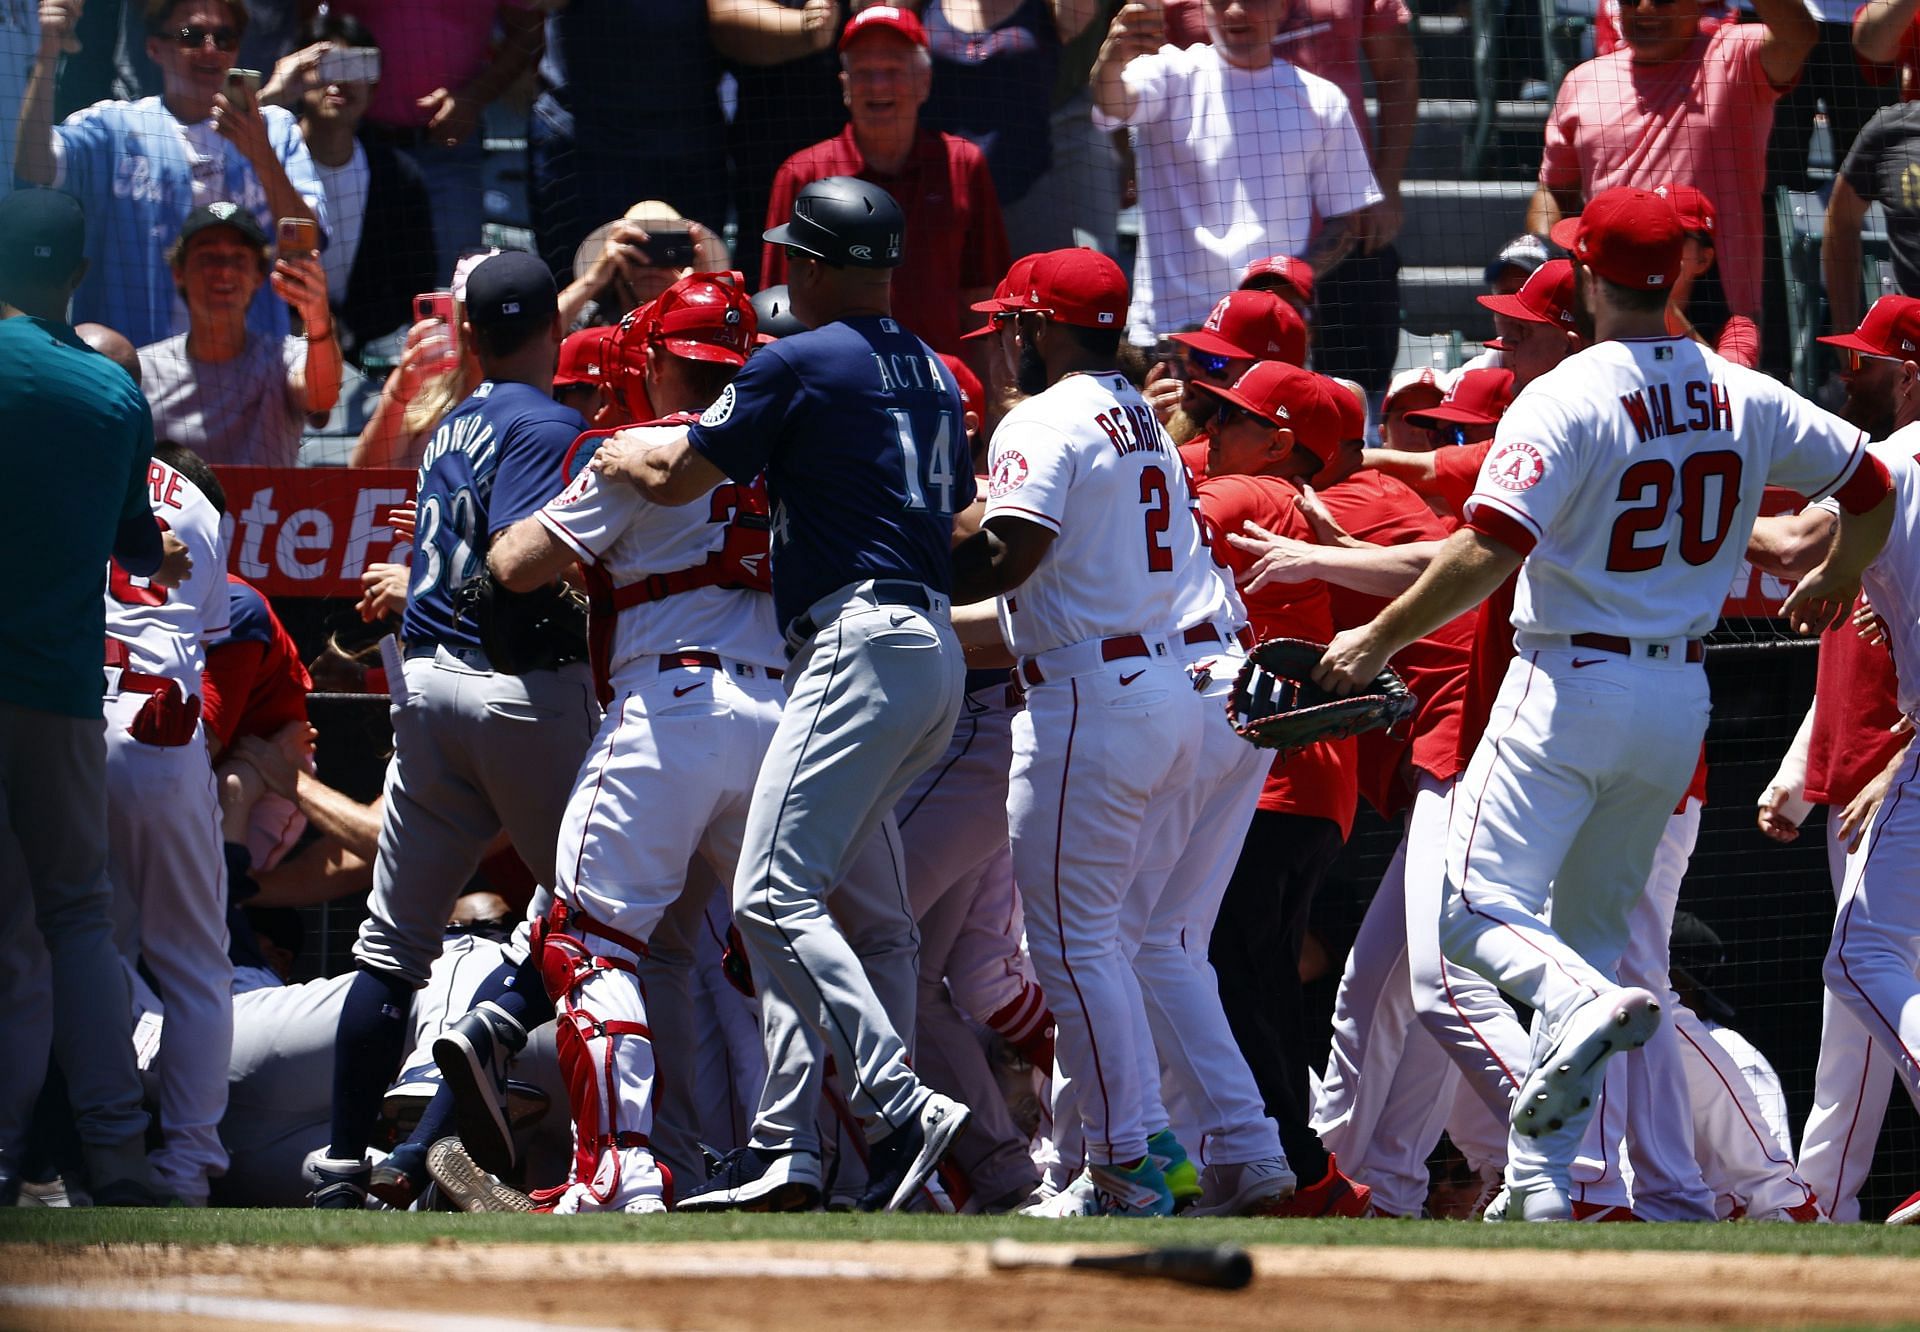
1696, 953
43, 235
509, 288
229, 215
845, 221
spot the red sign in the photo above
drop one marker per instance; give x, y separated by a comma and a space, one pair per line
312, 531
1755, 594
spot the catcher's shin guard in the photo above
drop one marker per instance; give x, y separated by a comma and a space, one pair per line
604, 1046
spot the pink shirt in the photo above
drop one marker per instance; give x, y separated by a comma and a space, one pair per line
1702, 120
424, 45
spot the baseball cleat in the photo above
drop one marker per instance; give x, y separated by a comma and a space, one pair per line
1539, 1201
1074, 1200
1334, 1195
466, 1185
472, 1055
1563, 1085
401, 1178
1249, 1188
1183, 1181
750, 1180
901, 1162
338, 1184
1134, 1191
1906, 1213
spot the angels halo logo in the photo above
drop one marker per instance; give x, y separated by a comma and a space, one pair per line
1009, 474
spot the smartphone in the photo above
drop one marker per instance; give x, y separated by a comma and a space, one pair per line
434, 305
350, 64
668, 247
243, 87
298, 236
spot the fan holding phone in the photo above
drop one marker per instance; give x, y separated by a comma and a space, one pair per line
627, 262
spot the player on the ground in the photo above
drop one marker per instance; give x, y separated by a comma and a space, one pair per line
476, 748
857, 425
1619, 479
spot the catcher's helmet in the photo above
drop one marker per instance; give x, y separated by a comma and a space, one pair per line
776, 314
846, 222
702, 317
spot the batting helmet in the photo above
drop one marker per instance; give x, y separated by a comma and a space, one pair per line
845, 222
776, 314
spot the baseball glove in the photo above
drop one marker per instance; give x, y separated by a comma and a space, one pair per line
523, 631
1275, 704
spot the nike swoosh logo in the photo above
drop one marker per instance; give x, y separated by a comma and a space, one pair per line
1590, 661
1129, 679
897, 620
687, 689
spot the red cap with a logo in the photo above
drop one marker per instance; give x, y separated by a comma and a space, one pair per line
1891, 328
1632, 238
883, 18
1478, 397
1080, 287
1008, 295
580, 357
1294, 273
1252, 325
1546, 297
1694, 207
1285, 395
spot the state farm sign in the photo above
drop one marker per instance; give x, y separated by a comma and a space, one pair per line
311, 532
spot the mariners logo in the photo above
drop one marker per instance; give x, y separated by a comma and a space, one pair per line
1009, 474
1516, 467
722, 408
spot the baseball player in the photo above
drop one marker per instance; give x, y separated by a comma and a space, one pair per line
1089, 602
475, 749
1243, 327
1599, 480
858, 427
163, 815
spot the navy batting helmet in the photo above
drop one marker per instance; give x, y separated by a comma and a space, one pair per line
776, 314
846, 222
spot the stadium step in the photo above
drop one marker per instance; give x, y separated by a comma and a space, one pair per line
1461, 222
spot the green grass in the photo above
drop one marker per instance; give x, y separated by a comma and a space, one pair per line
179, 1226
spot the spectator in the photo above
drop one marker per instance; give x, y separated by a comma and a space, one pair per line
227, 393
785, 95
1236, 154
441, 72
1883, 160
614, 269
56, 940
1517, 261
1676, 103
438, 370
956, 244
1697, 306
995, 64
372, 190
1886, 33
137, 167
605, 130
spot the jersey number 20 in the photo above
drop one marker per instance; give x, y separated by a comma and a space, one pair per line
1648, 486
932, 474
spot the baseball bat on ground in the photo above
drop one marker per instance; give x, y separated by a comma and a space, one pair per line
1224, 1268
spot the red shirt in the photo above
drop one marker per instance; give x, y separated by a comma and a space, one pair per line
1378, 509
254, 682
955, 240
1456, 470
1319, 781
1853, 709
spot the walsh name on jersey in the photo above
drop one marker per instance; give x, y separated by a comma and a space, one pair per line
1652, 409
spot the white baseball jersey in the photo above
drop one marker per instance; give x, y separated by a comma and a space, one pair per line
167, 630
611, 525
1631, 474
1892, 581
1088, 460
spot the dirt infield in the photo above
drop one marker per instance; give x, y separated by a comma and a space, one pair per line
925, 1287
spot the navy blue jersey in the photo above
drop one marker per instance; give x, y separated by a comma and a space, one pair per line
858, 427
494, 460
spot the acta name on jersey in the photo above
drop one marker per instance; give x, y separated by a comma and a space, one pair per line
1131, 428
1653, 414
899, 371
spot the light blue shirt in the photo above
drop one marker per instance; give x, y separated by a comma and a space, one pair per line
137, 173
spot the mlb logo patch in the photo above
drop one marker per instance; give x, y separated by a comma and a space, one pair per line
1663, 353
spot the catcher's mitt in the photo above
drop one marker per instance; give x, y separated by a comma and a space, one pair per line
1275, 704
523, 631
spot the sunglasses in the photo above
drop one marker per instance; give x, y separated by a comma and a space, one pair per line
1228, 414
1208, 364
1856, 359
191, 38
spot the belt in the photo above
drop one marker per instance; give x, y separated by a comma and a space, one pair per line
878, 592
1208, 632
1118, 648
712, 661
466, 656
1696, 651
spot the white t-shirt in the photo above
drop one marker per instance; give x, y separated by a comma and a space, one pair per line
167, 630
346, 189
1631, 474
612, 526
1088, 460
228, 412
1233, 164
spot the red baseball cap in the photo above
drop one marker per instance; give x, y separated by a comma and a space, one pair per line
1478, 397
1891, 328
1251, 325
580, 357
883, 18
1694, 207
1282, 394
972, 396
1420, 377
1080, 287
1007, 295
1633, 238
1546, 297
1295, 273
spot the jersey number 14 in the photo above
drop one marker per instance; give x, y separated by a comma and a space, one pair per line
929, 475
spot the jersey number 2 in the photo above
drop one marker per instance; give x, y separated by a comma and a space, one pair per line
1648, 486
1153, 491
